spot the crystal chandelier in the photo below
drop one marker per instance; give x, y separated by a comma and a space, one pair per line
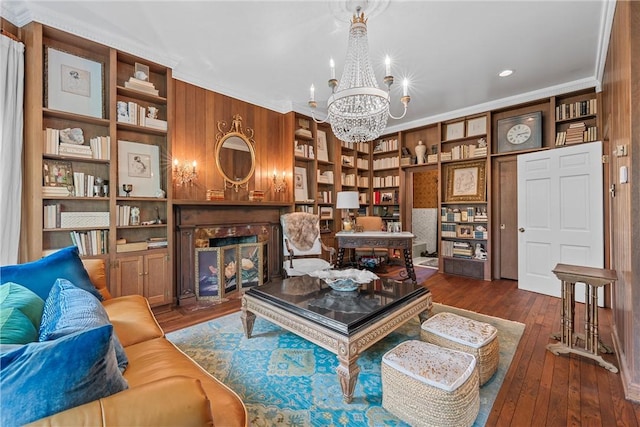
358, 109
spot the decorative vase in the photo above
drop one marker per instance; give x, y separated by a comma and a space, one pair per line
421, 150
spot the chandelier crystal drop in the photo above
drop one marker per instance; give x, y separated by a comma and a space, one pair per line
358, 109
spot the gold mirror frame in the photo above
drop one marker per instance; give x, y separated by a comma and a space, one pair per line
223, 136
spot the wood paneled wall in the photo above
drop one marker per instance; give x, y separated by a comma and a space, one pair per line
621, 126
197, 114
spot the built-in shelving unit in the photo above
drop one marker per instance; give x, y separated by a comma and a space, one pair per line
77, 180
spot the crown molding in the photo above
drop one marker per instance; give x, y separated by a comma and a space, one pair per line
609, 10
498, 104
37, 12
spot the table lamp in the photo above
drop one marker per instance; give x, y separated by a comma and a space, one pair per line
347, 200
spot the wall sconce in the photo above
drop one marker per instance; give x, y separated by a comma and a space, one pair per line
184, 173
279, 182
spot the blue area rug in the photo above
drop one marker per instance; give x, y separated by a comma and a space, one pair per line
287, 381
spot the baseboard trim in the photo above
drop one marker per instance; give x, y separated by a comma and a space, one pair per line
631, 389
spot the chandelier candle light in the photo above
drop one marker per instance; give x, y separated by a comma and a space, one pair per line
184, 173
347, 200
358, 109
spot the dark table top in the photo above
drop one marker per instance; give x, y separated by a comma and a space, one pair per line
344, 312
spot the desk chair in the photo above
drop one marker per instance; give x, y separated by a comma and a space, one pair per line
371, 223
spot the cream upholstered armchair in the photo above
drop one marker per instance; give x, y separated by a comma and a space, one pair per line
302, 244
370, 223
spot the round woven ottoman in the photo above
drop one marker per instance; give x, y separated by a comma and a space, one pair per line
471, 336
427, 385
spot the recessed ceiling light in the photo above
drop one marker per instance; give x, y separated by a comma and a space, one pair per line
505, 73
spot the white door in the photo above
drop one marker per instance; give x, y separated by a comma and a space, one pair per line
560, 215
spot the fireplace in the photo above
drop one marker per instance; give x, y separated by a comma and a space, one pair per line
214, 240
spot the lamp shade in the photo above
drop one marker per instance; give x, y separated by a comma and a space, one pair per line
347, 200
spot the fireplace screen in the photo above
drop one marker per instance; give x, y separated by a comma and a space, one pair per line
208, 273
251, 262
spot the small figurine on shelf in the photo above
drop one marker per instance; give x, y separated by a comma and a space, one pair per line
482, 142
481, 252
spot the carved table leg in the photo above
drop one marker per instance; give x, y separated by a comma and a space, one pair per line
408, 262
340, 258
247, 318
348, 371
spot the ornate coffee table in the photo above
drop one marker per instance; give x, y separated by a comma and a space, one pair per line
344, 323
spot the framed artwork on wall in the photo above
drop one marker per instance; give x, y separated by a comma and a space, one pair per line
466, 182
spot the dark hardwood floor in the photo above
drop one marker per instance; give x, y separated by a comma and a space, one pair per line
540, 389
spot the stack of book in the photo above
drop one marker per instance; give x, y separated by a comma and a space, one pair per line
156, 242
91, 242
75, 150
462, 250
448, 229
52, 216
141, 86
575, 133
55, 192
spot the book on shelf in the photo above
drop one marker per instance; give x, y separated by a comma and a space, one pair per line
155, 123
303, 133
157, 242
90, 242
48, 191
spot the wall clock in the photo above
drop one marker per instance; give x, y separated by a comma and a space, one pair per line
522, 132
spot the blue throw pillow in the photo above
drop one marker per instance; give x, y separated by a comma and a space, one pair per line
43, 378
39, 276
69, 309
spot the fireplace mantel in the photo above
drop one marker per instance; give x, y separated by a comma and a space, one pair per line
224, 219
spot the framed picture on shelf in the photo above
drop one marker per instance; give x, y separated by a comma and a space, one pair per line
454, 130
73, 84
56, 173
464, 231
139, 165
208, 273
466, 182
326, 212
141, 72
323, 153
300, 184
477, 126
386, 197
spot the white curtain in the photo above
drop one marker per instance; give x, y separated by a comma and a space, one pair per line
11, 116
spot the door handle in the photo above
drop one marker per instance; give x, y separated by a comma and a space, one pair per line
521, 230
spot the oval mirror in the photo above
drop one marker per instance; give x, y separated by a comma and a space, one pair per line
235, 154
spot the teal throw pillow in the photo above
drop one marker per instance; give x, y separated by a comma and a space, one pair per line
15, 327
15, 299
43, 378
69, 309
39, 276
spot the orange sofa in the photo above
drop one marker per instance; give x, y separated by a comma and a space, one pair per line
166, 387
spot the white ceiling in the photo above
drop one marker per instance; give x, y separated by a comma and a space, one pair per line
269, 52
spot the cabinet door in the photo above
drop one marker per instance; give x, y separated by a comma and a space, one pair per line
157, 281
129, 276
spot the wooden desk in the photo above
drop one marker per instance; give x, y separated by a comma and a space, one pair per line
593, 278
378, 239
